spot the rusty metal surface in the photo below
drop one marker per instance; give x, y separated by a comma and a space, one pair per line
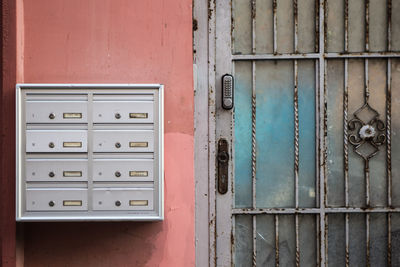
335, 58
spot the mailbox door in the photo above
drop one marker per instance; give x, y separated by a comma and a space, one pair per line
123, 141
56, 112
117, 170
56, 141
123, 199
50, 199
123, 112
56, 170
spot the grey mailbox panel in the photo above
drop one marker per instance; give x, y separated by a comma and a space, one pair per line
56, 112
56, 141
123, 141
123, 111
140, 170
89, 152
65, 199
123, 199
54, 170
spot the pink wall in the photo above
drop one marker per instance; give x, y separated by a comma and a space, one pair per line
117, 41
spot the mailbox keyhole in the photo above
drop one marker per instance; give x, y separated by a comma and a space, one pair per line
51, 203
117, 145
51, 174
117, 203
117, 174
51, 145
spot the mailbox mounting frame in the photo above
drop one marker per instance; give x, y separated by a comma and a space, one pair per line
119, 215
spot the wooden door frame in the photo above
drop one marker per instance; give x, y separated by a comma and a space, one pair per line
204, 135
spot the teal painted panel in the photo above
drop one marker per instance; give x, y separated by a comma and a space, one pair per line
243, 93
307, 148
275, 134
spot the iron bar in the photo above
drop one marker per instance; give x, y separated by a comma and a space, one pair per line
389, 25
250, 211
296, 154
254, 255
389, 131
253, 135
331, 55
296, 134
322, 131
296, 25
389, 244
276, 240
347, 230
275, 22
297, 241
368, 243
366, 25
345, 131
346, 25
253, 132
366, 160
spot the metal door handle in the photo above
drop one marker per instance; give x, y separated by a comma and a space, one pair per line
223, 166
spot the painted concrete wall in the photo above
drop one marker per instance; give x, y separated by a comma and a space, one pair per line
117, 41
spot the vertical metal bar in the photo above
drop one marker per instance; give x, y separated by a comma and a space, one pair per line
296, 134
296, 26
389, 131
296, 154
253, 26
368, 239
317, 32
346, 148
366, 25
389, 244
274, 10
389, 152
297, 241
346, 25
233, 248
318, 219
276, 241
253, 134
366, 167
389, 23
253, 130
345, 131
347, 241
322, 138
254, 240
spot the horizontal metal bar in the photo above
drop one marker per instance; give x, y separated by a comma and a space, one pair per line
314, 56
274, 56
312, 210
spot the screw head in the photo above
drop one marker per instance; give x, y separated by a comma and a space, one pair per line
117, 116
51, 203
117, 203
51, 145
118, 145
51, 174
117, 174
52, 116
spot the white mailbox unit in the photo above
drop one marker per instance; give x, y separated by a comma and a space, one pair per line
89, 152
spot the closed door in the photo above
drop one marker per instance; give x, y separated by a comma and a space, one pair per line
313, 139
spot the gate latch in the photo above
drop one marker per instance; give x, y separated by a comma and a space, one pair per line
223, 164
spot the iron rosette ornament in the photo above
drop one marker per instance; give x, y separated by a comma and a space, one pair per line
366, 130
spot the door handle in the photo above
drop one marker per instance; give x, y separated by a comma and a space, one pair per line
223, 166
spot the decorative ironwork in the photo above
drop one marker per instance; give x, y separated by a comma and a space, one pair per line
367, 132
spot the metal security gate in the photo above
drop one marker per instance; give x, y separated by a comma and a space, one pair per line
314, 136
